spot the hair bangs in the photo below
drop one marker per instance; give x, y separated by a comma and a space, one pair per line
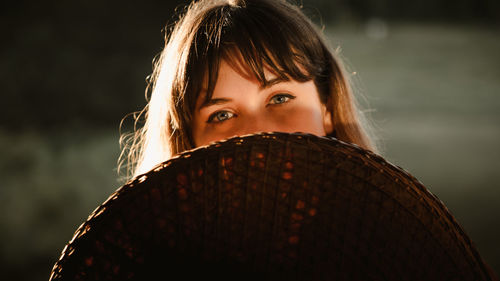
251, 44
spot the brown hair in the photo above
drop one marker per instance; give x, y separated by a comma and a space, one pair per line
270, 34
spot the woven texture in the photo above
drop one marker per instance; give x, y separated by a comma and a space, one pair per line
272, 207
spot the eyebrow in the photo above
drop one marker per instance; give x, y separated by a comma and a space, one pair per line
211, 102
273, 82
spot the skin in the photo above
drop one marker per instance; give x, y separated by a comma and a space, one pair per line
240, 105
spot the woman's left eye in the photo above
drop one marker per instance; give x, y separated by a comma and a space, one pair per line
281, 98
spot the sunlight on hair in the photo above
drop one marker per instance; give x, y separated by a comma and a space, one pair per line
155, 150
269, 34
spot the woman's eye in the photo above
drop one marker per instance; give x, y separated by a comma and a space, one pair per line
281, 98
220, 116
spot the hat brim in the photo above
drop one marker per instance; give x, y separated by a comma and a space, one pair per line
272, 206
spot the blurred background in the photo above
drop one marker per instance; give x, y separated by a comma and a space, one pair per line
427, 73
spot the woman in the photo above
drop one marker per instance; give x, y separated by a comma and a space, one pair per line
233, 67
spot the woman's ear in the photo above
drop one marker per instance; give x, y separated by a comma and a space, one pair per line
327, 120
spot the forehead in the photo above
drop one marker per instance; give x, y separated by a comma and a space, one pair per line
262, 74
263, 66
265, 62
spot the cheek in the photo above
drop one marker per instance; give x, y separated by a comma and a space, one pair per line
204, 133
301, 118
197, 130
207, 134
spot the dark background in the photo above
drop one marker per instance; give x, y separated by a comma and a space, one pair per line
71, 70
66, 62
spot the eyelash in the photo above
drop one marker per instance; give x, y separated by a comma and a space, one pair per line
288, 96
213, 116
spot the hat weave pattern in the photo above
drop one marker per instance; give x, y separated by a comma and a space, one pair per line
272, 206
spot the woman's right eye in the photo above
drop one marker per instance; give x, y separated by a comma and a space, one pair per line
220, 116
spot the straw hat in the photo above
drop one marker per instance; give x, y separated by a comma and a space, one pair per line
272, 207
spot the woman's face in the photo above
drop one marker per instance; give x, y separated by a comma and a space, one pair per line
240, 105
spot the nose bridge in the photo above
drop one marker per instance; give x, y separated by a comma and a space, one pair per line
254, 122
